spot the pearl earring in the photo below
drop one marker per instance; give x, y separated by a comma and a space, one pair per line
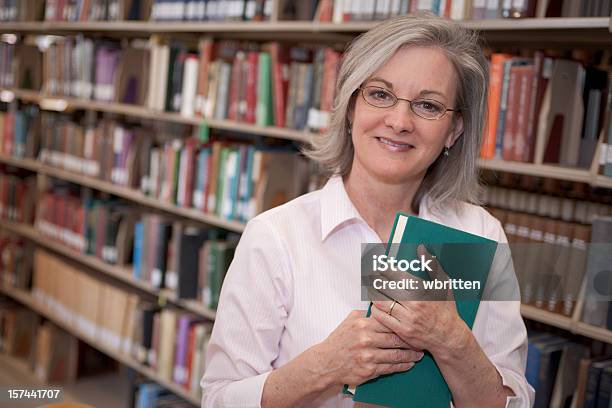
446, 151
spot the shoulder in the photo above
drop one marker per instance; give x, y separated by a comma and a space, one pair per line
471, 218
300, 213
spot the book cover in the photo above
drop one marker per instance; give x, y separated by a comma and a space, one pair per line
424, 385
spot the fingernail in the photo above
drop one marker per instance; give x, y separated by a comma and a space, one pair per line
410, 365
421, 249
420, 355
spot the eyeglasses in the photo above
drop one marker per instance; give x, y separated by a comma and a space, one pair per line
424, 108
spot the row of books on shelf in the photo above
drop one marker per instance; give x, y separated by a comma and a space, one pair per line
545, 205
549, 257
546, 110
15, 261
272, 84
158, 10
171, 342
337, 11
17, 196
567, 373
231, 178
530, 118
50, 352
269, 84
555, 260
340, 11
189, 260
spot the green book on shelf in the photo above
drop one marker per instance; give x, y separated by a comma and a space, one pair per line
462, 255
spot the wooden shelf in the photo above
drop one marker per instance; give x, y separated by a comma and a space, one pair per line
124, 192
566, 323
548, 171
306, 27
544, 316
116, 272
26, 299
61, 103
539, 170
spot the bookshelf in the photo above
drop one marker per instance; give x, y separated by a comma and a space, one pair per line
600, 25
60, 103
28, 300
591, 31
123, 192
116, 272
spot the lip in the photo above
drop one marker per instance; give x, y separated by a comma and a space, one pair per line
394, 145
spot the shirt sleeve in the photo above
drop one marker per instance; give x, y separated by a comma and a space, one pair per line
253, 308
500, 330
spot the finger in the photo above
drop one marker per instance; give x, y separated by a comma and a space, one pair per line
356, 314
437, 272
397, 356
377, 295
388, 341
383, 369
384, 306
388, 321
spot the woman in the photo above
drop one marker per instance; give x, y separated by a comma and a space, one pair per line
405, 134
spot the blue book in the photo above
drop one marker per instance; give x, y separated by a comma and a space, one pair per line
249, 184
137, 256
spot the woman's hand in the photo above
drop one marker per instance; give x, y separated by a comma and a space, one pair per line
360, 349
430, 321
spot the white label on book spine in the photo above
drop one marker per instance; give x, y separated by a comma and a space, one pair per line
180, 374
604, 154
198, 199
171, 279
118, 140
609, 154
250, 9
156, 277
104, 92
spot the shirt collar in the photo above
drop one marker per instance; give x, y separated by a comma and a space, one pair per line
337, 209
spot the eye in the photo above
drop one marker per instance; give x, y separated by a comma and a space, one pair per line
428, 106
379, 94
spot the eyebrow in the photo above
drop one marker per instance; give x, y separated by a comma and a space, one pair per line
390, 86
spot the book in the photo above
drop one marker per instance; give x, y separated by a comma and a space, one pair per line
424, 385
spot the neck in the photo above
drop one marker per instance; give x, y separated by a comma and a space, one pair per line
378, 200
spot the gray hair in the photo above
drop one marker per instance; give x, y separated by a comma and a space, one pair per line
449, 180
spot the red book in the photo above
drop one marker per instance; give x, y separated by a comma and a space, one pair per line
234, 98
328, 86
325, 11
189, 359
206, 48
498, 60
251, 88
190, 147
280, 81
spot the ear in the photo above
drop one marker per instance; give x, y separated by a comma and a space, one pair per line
455, 132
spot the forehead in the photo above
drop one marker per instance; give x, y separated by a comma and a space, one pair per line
413, 69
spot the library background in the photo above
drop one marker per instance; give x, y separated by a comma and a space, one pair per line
137, 137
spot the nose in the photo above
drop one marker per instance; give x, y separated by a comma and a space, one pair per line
400, 117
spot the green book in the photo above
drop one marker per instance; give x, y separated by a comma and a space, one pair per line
423, 386
263, 111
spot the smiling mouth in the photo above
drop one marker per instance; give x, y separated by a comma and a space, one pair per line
396, 145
